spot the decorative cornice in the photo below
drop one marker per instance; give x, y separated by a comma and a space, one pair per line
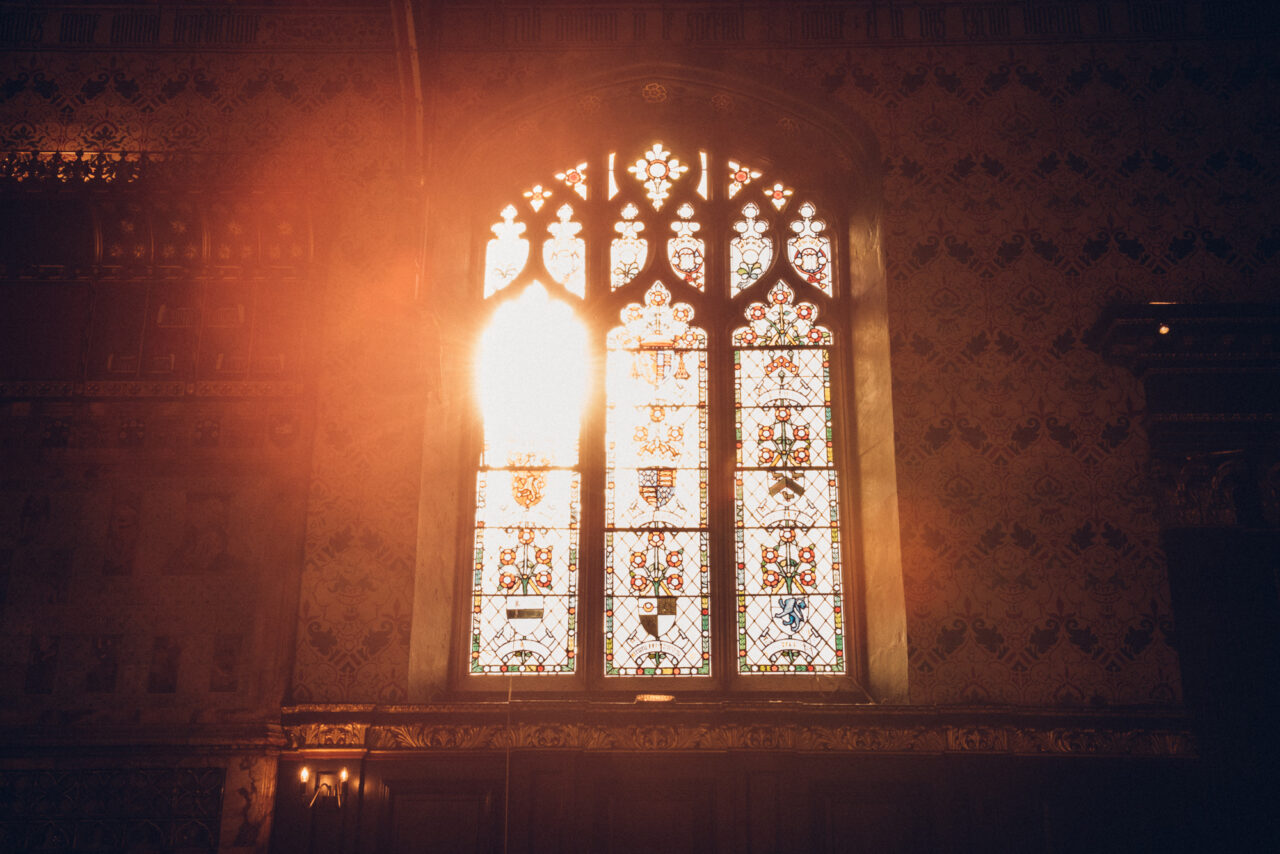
706, 26
1190, 338
785, 728
195, 28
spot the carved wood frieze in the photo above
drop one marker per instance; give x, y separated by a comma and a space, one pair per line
1091, 738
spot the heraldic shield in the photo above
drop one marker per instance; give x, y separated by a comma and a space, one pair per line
524, 613
657, 614
657, 485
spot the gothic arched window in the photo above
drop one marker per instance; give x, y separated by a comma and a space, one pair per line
659, 490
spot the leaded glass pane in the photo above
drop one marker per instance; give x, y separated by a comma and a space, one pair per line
810, 250
784, 409
575, 178
505, 254
657, 607
537, 195
686, 252
628, 252
740, 175
564, 253
786, 496
525, 577
656, 170
751, 252
778, 195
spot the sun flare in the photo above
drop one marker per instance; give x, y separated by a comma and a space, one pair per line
531, 380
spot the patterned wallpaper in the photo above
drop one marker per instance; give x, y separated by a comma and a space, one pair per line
1025, 186
148, 541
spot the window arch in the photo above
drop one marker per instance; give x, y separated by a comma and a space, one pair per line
694, 533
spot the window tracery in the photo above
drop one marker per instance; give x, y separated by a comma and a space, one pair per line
715, 456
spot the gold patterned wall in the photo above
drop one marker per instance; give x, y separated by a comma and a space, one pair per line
1030, 178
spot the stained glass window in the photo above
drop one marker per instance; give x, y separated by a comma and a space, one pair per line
786, 498
524, 585
564, 253
506, 253
685, 251
810, 250
657, 581
629, 251
751, 251
709, 495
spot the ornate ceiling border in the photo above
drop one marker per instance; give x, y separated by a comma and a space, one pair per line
706, 26
194, 27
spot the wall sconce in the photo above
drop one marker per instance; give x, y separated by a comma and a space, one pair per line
326, 787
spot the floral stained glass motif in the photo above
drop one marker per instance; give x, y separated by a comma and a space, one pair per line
506, 253
686, 252
810, 250
657, 588
536, 196
575, 178
656, 170
786, 495
525, 580
564, 253
778, 195
740, 176
629, 251
751, 252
